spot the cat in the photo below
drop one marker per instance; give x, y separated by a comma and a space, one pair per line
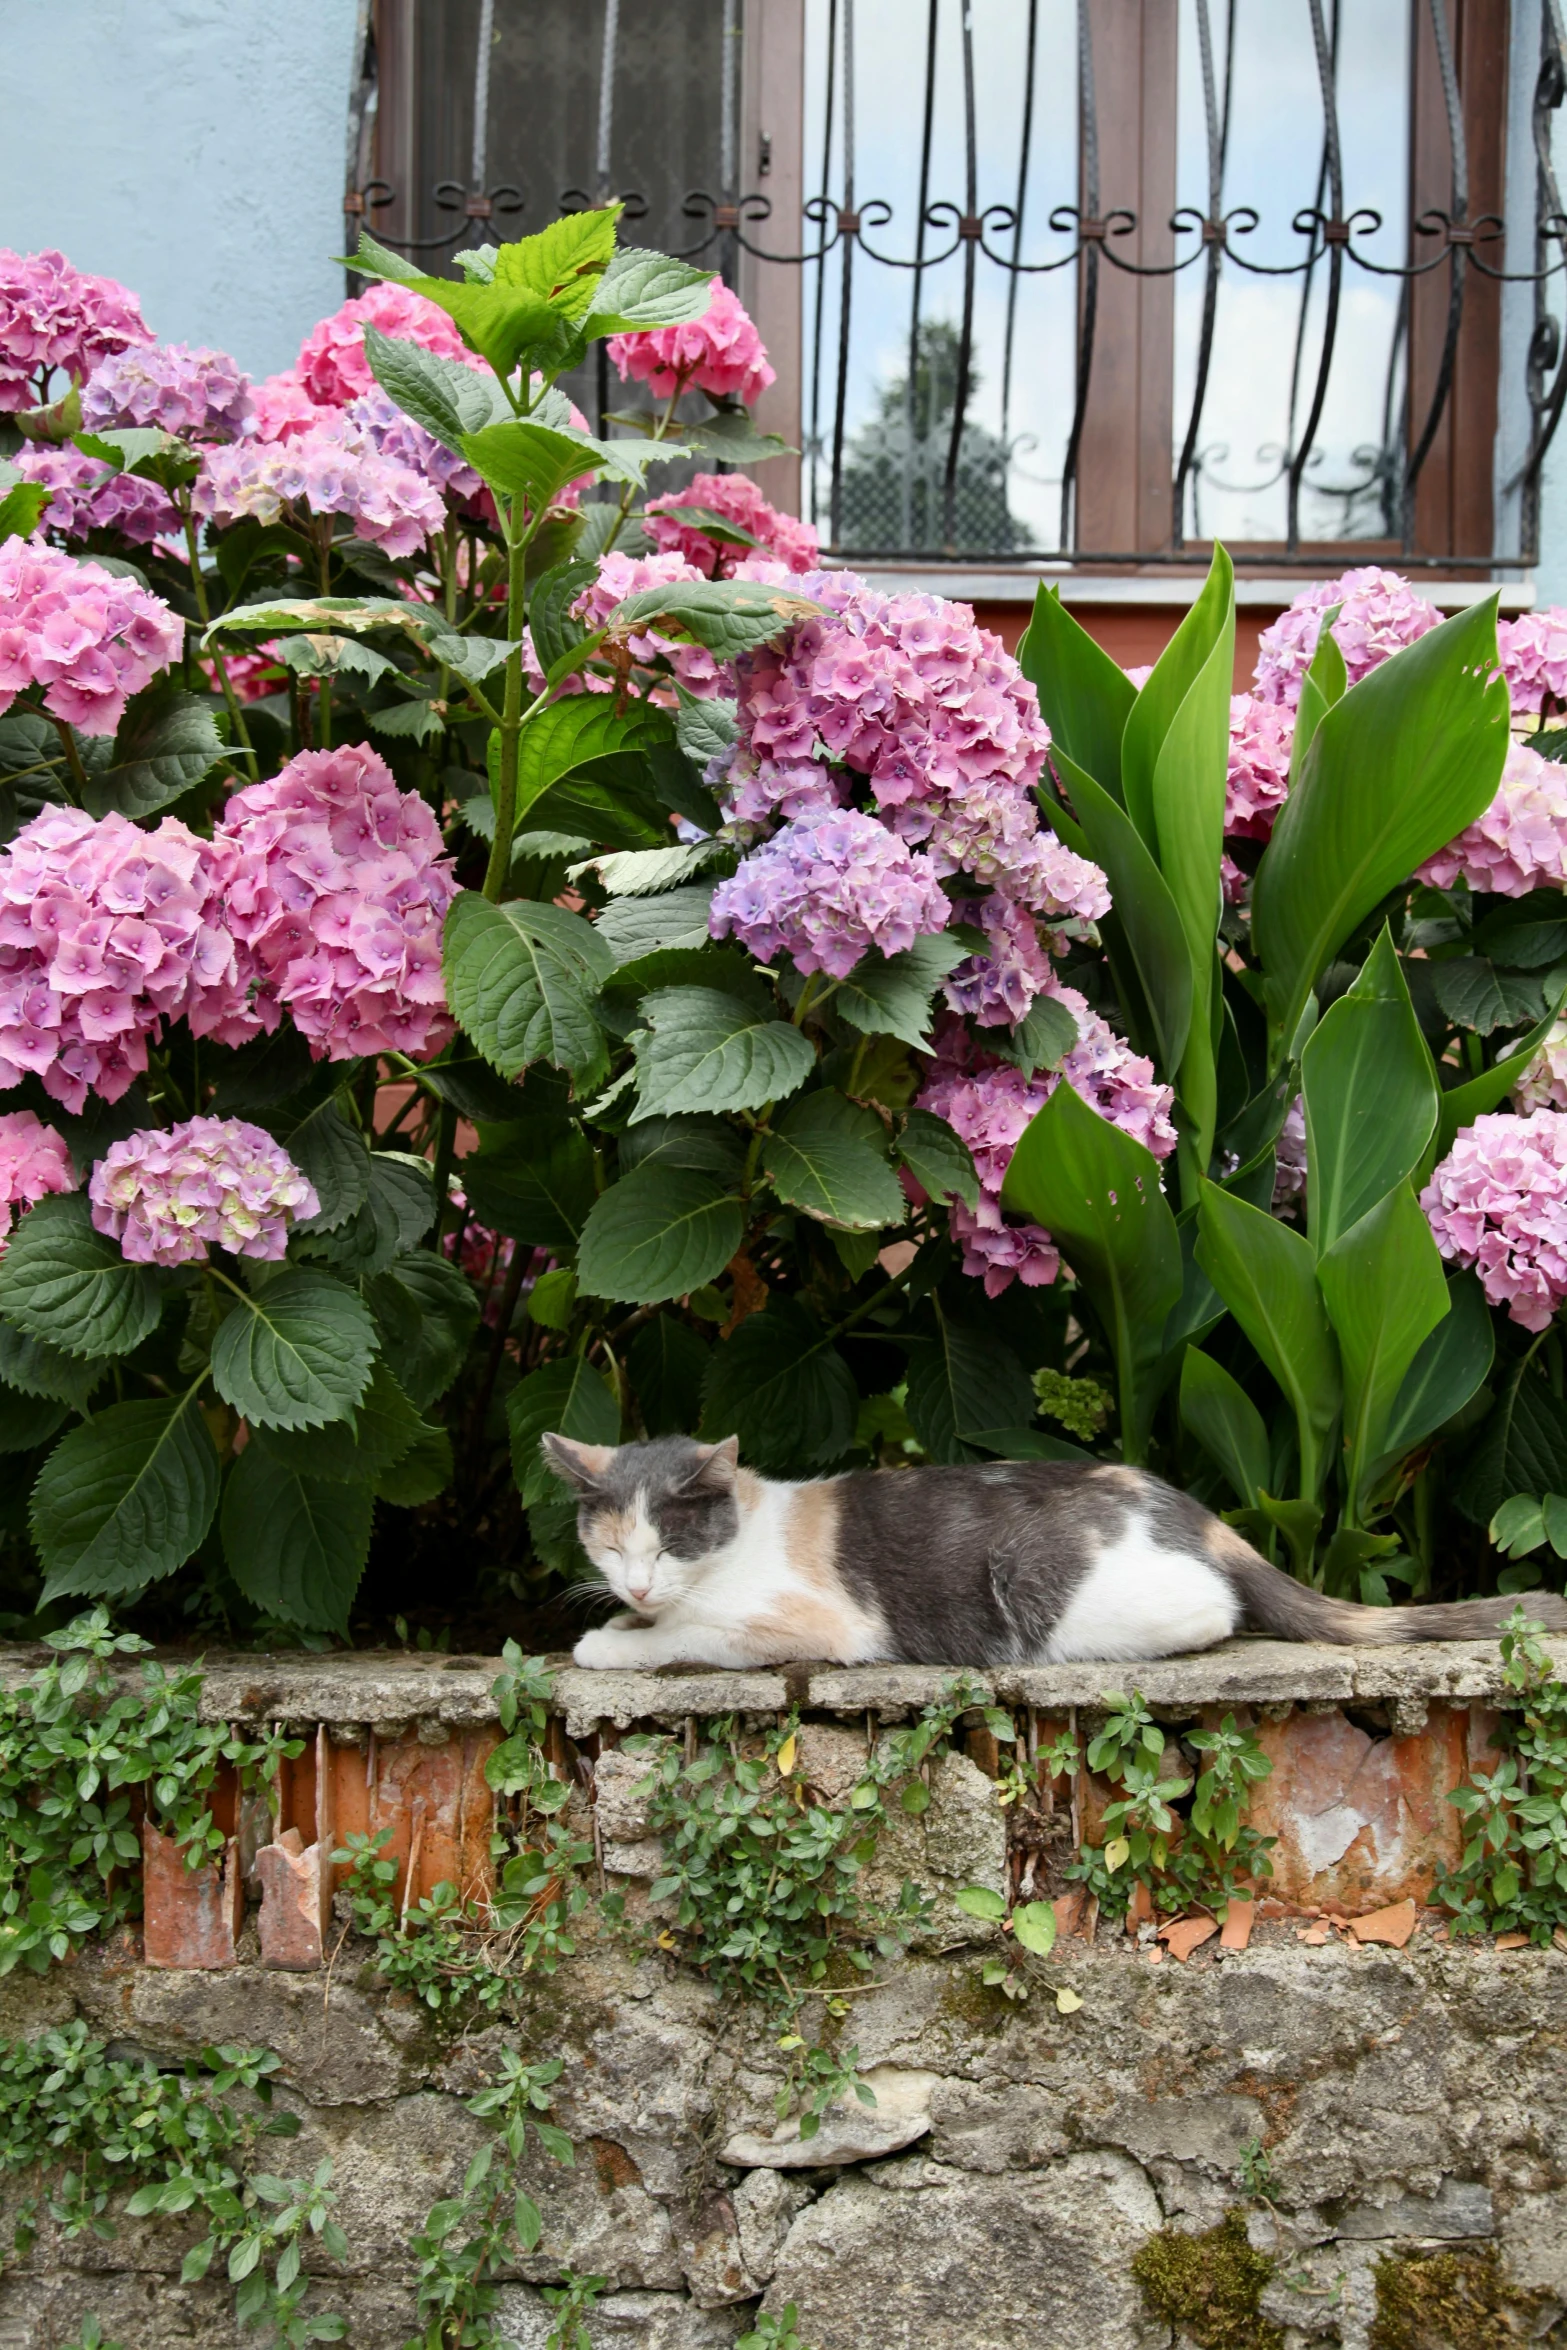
994, 1563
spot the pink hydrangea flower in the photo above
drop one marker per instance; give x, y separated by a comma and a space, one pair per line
281, 406
824, 890
620, 576
1262, 736
53, 316
1520, 843
197, 395
336, 896
33, 1161
167, 1198
1534, 661
332, 367
990, 1103
329, 467
1001, 985
88, 637
87, 494
1289, 1161
1543, 1085
1498, 1202
1381, 614
720, 352
392, 434
106, 931
734, 498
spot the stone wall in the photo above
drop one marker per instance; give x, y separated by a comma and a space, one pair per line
1354, 2100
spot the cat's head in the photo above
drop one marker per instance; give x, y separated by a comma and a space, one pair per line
651, 1515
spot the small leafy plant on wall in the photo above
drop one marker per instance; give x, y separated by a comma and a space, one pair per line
485, 948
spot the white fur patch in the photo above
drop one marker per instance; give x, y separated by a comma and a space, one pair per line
1140, 1600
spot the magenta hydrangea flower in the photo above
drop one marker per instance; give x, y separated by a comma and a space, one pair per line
1381, 614
1543, 1085
336, 895
734, 498
106, 931
332, 367
990, 1103
1498, 1202
167, 1198
1262, 736
53, 316
90, 638
824, 890
1534, 661
329, 467
87, 494
720, 352
1520, 843
33, 1161
197, 395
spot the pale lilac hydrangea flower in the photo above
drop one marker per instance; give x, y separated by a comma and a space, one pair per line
1289, 1161
824, 890
53, 316
1520, 843
196, 395
1381, 615
1002, 984
90, 638
720, 352
1498, 1203
85, 493
33, 1161
106, 931
989, 1104
332, 367
329, 467
1534, 661
168, 1198
734, 498
1543, 1085
1262, 736
336, 897
392, 434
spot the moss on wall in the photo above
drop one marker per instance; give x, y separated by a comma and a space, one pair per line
1452, 2301
1211, 2286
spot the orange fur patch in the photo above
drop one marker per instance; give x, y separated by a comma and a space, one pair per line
811, 1535
799, 1626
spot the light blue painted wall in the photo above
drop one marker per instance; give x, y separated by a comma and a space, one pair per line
191, 148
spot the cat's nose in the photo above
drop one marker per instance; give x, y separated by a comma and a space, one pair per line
639, 1585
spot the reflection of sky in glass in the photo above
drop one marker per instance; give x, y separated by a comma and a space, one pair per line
1272, 163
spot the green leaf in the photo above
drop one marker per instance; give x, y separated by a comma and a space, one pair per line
963, 1379
27, 1421
644, 289
166, 742
1476, 995
568, 1397
34, 1367
124, 1499
21, 509
828, 1157
1084, 696
1097, 1191
668, 1364
977, 1901
63, 1281
1041, 1040
1397, 768
527, 462
534, 1183
263, 1073
1326, 681
311, 655
332, 1155
565, 263
633, 928
573, 733
1226, 1423
728, 616
552, 1301
398, 1211
938, 1158
425, 1470
554, 630
425, 1315
1370, 1093
732, 437
357, 615
890, 995
1520, 1447
1267, 1276
659, 1233
781, 1386
1385, 1293
640, 873
1145, 909
295, 1545
1518, 1526
1025, 1444
1463, 1104
1034, 1926
445, 397
296, 1354
353, 1452
704, 1050
704, 1143
1450, 1367
521, 978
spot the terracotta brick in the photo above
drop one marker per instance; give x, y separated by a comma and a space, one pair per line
1235, 1933
297, 1878
1392, 1926
191, 1916
1360, 1820
1186, 1935
437, 1792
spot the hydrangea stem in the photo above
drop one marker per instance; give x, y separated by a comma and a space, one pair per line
511, 727
220, 666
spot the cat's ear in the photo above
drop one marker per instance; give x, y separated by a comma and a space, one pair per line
582, 1465
715, 1470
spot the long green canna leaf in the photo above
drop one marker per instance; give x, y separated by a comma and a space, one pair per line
1084, 695
1226, 1423
1098, 1192
1199, 659
1149, 918
1370, 1092
1396, 769
1325, 682
1267, 1276
1448, 1370
1385, 1293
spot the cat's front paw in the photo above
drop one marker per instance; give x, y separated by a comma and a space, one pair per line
599, 1648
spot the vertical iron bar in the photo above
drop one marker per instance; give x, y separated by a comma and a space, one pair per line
835, 510
1399, 345
1210, 296
601, 167
481, 97
1088, 143
970, 252
909, 394
726, 131
1546, 340
821, 266
1458, 214
1327, 75
1017, 233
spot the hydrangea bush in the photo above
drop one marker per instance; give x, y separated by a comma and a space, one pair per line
491, 943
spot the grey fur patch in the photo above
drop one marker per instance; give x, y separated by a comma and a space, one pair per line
687, 1490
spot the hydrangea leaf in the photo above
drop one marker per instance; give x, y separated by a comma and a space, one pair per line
166, 742
645, 873
644, 289
963, 1379
533, 1182
445, 397
569, 1397
385, 1425
295, 1545
938, 1158
424, 1471
1475, 994
296, 1354
21, 508
521, 978
1520, 1446
528, 462
1041, 1040
426, 1315
704, 1050
574, 732
633, 928
706, 1144
890, 995
667, 1362
332, 1155
27, 1421
398, 1210
63, 1281
332, 614
34, 1367
658, 1234
828, 1157
732, 436
782, 1387
728, 616
124, 1499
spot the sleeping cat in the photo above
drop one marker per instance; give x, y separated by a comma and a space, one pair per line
1004, 1562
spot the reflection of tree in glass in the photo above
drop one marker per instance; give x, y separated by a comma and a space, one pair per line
895, 468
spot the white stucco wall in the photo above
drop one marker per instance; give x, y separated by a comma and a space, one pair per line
194, 149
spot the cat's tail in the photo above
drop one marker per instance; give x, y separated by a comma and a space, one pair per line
1274, 1602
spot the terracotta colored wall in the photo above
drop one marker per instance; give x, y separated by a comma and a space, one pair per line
1136, 633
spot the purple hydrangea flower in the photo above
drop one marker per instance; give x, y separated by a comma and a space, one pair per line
1543, 1085
824, 890
330, 467
1498, 1202
1262, 737
33, 1161
167, 1198
87, 494
89, 637
196, 395
1534, 661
